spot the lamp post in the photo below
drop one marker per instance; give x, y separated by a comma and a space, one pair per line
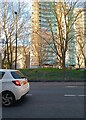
2, 43
16, 44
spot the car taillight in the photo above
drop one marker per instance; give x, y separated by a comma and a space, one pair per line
25, 82
17, 83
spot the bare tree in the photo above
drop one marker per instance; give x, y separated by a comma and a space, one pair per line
39, 48
80, 39
9, 29
64, 13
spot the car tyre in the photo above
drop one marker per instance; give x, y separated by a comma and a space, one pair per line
7, 98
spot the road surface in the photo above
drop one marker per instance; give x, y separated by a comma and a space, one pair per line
50, 100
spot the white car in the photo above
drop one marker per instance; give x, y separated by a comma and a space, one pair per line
14, 85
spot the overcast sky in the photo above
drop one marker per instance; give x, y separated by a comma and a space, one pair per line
41, 0
29, 1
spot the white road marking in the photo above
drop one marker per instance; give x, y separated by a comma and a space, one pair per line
29, 94
71, 86
69, 95
81, 95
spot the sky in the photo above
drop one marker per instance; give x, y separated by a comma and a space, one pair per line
29, 1
41, 0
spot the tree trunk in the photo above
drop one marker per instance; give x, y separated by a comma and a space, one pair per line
4, 59
63, 67
8, 62
63, 61
85, 62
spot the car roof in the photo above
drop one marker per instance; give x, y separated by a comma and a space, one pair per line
4, 70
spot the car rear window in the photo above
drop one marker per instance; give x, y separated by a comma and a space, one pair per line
17, 75
1, 74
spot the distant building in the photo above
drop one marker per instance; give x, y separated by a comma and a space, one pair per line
80, 37
23, 57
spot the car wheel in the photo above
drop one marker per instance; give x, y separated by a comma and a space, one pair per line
7, 98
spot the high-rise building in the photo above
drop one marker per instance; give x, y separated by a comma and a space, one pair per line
47, 18
71, 52
34, 62
41, 34
43, 23
80, 28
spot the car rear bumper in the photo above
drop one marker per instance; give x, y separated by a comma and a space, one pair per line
22, 91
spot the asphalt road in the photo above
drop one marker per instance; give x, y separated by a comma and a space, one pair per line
50, 100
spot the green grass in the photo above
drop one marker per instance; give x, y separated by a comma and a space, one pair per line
53, 74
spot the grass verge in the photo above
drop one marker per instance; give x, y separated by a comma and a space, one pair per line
54, 74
